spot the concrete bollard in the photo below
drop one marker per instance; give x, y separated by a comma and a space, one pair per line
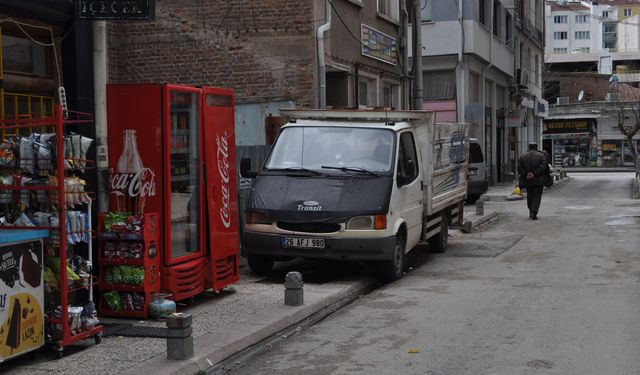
179, 336
293, 292
480, 207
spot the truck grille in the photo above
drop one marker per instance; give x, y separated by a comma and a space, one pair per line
310, 227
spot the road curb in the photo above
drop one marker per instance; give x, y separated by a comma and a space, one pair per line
214, 347
473, 224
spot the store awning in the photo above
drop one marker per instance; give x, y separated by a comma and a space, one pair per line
574, 116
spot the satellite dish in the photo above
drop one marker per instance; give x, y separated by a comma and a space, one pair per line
581, 95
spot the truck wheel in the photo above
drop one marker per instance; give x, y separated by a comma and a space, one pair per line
439, 242
391, 270
260, 264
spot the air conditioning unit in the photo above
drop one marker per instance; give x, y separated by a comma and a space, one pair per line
613, 97
562, 100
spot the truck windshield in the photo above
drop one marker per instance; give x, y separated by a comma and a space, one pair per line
349, 148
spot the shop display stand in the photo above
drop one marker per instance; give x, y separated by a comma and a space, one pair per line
67, 337
149, 237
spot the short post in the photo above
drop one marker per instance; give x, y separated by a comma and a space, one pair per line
480, 207
293, 292
179, 336
556, 177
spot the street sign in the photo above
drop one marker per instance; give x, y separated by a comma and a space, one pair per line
114, 10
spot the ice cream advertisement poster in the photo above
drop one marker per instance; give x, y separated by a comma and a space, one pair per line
21, 299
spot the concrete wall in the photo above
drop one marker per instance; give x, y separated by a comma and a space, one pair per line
264, 50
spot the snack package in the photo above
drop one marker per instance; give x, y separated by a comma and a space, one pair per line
136, 250
138, 301
117, 275
25, 195
127, 276
112, 299
127, 301
27, 156
110, 249
138, 275
85, 143
8, 153
116, 222
108, 275
6, 196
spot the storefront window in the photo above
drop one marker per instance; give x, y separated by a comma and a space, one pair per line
579, 151
611, 153
22, 55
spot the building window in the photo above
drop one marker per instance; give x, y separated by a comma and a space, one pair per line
560, 19
605, 14
581, 19
537, 70
439, 85
560, 35
509, 25
367, 92
483, 15
391, 95
560, 50
22, 55
627, 12
608, 28
582, 50
425, 10
583, 34
389, 8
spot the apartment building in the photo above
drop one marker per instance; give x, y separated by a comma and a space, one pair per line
482, 63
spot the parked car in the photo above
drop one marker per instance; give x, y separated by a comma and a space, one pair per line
478, 178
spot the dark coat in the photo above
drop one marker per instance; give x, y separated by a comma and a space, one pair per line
536, 162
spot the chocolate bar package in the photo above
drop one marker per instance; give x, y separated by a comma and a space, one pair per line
13, 336
31, 270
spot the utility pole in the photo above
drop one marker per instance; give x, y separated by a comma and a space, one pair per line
417, 56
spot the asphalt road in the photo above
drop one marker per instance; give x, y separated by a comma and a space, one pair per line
560, 295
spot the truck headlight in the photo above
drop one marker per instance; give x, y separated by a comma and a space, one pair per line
367, 222
256, 217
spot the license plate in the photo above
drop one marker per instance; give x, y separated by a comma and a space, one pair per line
304, 243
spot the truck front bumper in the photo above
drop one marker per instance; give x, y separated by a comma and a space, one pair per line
335, 248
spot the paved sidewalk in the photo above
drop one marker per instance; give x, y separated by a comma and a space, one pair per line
223, 324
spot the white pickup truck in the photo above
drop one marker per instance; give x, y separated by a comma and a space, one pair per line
361, 185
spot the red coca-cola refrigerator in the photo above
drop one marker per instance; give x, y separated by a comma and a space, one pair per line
172, 151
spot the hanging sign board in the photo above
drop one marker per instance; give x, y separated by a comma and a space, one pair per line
512, 122
114, 10
378, 45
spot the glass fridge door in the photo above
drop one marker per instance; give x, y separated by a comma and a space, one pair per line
184, 181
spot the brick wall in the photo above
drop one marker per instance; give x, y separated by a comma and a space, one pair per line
263, 49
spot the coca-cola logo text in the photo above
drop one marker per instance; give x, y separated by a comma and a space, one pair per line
141, 183
223, 170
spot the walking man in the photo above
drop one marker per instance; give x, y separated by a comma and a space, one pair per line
532, 168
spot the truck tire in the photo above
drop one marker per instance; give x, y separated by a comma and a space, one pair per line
260, 264
439, 242
391, 270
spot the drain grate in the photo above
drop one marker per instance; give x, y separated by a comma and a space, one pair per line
141, 331
113, 329
129, 330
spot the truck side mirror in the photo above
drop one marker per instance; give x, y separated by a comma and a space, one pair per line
245, 168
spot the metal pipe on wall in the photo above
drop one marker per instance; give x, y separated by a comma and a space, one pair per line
322, 70
417, 56
100, 95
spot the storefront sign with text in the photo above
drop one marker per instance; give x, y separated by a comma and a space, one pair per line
143, 10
